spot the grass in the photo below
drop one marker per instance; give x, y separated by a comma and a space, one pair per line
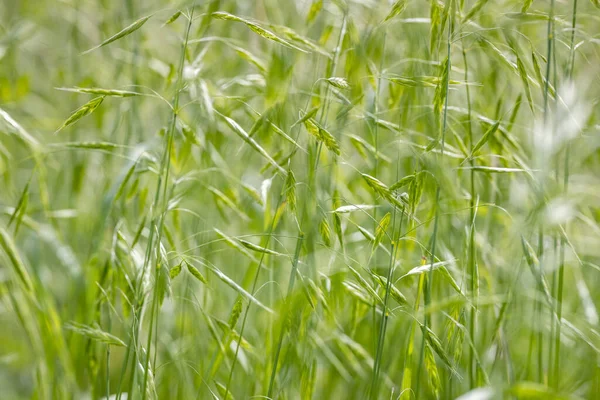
299, 199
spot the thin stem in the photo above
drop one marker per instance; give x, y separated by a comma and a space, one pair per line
472, 264
376, 112
429, 280
287, 309
549, 57
561, 268
165, 169
376, 169
385, 316
254, 284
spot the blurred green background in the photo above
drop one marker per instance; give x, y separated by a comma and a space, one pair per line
148, 242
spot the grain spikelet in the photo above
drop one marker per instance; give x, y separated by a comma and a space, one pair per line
124, 32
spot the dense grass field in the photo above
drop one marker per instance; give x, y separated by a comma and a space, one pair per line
296, 199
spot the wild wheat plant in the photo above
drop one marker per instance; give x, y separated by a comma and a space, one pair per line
299, 199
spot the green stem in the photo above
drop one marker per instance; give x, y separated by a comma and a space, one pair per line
407, 373
254, 284
472, 264
165, 169
429, 281
561, 269
287, 310
385, 311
